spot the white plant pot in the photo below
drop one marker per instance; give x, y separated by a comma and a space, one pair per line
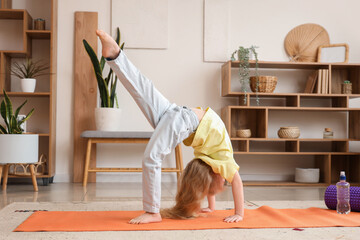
307, 175
107, 119
19, 148
28, 84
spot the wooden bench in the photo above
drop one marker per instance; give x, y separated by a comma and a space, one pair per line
123, 137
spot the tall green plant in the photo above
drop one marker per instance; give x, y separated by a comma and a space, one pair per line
107, 85
243, 55
12, 123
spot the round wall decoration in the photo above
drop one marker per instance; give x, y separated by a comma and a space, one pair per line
303, 41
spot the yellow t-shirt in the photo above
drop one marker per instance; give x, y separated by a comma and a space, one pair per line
212, 144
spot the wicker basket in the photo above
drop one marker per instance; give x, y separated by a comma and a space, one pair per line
289, 132
243, 133
267, 84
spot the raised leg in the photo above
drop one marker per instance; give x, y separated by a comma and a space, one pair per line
33, 177
151, 102
87, 162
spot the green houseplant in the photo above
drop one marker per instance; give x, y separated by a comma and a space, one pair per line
108, 115
107, 85
12, 122
16, 147
243, 55
27, 71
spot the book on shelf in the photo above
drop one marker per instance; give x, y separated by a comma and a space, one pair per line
310, 83
323, 81
319, 81
327, 81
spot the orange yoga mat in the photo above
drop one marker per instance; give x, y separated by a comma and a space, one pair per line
262, 217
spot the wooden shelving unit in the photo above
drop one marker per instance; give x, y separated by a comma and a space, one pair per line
330, 155
44, 98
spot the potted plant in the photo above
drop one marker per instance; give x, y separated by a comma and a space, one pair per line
27, 71
346, 87
108, 114
244, 55
16, 147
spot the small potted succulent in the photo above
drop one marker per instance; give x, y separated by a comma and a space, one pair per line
28, 71
16, 147
346, 87
108, 114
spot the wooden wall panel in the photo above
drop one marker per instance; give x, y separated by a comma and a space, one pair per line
85, 90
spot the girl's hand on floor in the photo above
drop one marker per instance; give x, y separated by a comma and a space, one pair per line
233, 218
206, 210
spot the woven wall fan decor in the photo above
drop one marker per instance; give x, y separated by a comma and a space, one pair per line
303, 41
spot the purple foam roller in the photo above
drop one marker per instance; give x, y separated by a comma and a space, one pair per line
331, 198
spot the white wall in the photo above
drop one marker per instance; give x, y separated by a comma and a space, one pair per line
181, 75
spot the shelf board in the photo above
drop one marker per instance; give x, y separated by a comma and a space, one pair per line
28, 176
39, 34
296, 108
26, 94
293, 65
278, 95
44, 134
298, 139
268, 183
40, 134
16, 14
16, 54
295, 153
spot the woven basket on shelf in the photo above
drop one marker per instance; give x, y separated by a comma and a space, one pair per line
289, 132
267, 84
243, 133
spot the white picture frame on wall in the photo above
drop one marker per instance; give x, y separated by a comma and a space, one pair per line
333, 53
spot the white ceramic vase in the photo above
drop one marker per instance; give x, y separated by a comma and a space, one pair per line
28, 84
107, 119
19, 148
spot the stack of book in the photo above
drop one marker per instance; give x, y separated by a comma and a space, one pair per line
318, 82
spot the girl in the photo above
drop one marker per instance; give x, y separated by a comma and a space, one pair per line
203, 130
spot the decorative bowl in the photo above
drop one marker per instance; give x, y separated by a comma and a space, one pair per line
289, 132
243, 133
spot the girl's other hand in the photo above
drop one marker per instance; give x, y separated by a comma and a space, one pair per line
233, 218
206, 210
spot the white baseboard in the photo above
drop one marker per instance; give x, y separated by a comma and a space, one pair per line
116, 177
168, 177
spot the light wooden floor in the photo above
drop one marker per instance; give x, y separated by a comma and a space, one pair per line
74, 192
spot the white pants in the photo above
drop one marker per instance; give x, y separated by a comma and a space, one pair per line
172, 125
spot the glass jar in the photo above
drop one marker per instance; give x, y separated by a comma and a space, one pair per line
328, 133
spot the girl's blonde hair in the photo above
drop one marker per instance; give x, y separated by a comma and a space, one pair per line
197, 181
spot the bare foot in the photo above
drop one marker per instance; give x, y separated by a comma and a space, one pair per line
110, 49
146, 218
